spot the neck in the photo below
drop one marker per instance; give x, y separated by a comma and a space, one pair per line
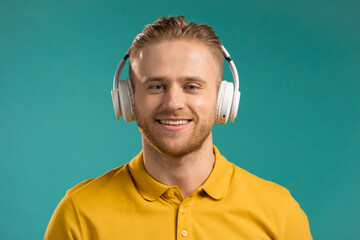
188, 172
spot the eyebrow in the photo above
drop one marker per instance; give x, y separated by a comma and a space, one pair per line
155, 79
185, 79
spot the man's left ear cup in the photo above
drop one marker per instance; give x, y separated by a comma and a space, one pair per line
224, 102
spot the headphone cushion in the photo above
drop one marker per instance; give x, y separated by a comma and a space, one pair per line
235, 105
220, 98
116, 104
224, 102
126, 94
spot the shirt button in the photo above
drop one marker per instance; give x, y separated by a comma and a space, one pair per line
184, 233
183, 210
171, 194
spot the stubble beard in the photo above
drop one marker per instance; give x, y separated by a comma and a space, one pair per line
187, 145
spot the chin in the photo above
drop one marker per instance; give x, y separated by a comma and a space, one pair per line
176, 144
176, 151
176, 148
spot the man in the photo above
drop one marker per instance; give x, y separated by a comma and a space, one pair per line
179, 186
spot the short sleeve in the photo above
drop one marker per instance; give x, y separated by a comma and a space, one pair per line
296, 224
64, 223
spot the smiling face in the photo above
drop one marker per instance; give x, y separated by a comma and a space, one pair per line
175, 95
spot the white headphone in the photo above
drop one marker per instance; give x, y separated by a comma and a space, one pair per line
227, 102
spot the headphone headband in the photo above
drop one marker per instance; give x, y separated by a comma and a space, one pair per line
120, 67
232, 66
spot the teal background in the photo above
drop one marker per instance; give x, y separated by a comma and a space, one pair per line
298, 122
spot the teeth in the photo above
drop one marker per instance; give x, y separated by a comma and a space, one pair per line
169, 122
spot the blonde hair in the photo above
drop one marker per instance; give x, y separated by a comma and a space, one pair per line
172, 28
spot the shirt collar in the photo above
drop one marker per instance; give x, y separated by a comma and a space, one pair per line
217, 184
150, 189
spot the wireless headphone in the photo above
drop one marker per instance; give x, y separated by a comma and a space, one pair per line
227, 102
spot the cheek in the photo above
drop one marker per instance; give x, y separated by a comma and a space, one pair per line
205, 104
146, 103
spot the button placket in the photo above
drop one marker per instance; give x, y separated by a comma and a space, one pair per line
183, 222
183, 210
171, 194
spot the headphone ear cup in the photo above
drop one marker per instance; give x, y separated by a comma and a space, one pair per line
235, 106
224, 102
116, 103
131, 94
126, 94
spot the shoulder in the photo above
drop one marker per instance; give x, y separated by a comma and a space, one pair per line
255, 185
117, 178
271, 203
83, 201
245, 185
262, 194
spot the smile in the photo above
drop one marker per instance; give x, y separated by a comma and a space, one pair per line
174, 123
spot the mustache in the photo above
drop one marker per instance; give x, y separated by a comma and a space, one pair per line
165, 113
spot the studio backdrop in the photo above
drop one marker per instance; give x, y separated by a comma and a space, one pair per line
297, 125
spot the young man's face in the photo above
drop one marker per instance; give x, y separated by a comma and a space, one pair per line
175, 95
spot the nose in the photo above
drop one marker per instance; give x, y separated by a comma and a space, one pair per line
174, 98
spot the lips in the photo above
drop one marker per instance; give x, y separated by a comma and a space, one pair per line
174, 122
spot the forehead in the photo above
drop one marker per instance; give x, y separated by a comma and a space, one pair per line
175, 58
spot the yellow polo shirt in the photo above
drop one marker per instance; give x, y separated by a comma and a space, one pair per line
127, 203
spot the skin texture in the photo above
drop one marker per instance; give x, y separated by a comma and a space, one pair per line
176, 81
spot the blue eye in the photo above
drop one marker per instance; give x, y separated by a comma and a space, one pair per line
192, 87
156, 87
